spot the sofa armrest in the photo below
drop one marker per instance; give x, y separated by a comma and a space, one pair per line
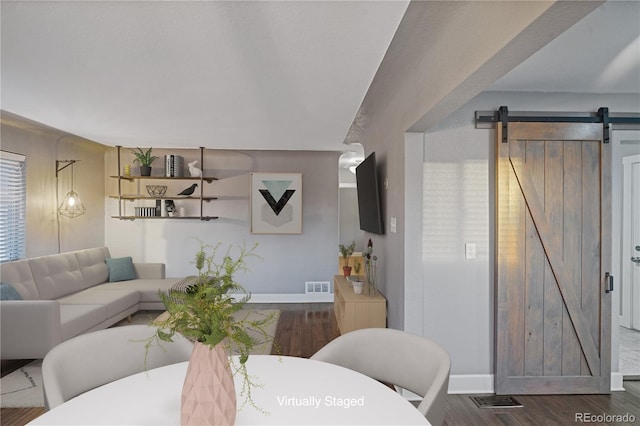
149, 270
29, 328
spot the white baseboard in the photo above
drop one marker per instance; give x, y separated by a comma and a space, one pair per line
483, 383
460, 384
616, 382
292, 298
471, 383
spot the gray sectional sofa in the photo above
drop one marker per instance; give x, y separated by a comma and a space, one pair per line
68, 294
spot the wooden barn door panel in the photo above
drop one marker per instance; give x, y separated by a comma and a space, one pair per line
552, 216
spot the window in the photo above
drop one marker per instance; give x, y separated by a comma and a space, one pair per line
12, 206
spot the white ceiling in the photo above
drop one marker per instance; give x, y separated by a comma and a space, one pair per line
249, 75
216, 74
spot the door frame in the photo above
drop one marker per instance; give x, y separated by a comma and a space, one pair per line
626, 292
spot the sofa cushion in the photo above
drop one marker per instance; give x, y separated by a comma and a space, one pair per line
77, 319
56, 275
120, 269
92, 266
18, 274
9, 292
114, 301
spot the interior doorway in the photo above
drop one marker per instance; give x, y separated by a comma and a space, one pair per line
630, 291
629, 347
348, 219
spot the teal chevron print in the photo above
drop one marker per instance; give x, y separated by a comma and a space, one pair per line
277, 194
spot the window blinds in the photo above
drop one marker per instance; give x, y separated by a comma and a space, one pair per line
12, 206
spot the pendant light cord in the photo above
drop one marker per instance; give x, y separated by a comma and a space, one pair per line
58, 170
57, 212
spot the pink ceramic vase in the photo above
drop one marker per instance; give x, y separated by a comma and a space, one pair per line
208, 393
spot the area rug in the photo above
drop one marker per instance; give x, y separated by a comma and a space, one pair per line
23, 387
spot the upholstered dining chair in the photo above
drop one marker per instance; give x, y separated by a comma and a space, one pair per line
399, 358
93, 359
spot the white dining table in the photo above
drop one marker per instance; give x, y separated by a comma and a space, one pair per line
290, 391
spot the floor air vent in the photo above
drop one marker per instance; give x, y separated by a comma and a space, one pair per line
496, 401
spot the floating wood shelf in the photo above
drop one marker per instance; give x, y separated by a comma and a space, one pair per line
198, 196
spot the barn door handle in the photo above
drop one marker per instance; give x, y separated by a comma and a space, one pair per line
609, 278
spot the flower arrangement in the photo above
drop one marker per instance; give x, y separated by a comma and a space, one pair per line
370, 267
368, 252
204, 313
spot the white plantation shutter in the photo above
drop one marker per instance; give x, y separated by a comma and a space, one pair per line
12, 206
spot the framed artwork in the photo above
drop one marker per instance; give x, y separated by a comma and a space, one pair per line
276, 203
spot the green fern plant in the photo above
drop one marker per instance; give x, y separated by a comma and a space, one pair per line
143, 157
205, 311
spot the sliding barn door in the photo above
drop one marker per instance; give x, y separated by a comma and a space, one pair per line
553, 310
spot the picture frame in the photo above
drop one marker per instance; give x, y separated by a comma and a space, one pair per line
276, 203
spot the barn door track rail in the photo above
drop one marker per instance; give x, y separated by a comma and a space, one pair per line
502, 117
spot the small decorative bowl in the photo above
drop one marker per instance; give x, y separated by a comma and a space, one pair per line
156, 190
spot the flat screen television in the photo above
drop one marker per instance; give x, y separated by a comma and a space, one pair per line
369, 208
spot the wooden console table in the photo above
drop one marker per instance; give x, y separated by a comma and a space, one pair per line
355, 311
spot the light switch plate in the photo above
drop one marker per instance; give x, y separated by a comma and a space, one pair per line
393, 225
470, 251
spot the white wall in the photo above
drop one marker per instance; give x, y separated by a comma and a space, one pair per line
288, 260
457, 203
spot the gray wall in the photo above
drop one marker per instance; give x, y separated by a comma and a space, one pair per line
430, 69
288, 260
42, 146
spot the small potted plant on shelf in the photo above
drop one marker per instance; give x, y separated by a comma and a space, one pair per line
356, 267
356, 281
206, 312
346, 252
144, 158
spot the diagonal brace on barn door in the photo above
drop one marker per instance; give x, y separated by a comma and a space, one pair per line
553, 250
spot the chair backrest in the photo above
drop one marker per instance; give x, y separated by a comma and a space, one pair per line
93, 359
399, 358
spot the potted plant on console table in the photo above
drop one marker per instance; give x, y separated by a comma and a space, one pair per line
203, 311
346, 252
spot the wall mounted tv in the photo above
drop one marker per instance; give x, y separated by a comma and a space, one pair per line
369, 207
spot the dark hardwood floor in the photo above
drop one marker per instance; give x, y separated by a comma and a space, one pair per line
305, 328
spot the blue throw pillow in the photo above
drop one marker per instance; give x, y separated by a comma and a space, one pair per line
120, 269
9, 292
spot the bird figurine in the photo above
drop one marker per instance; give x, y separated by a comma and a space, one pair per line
193, 170
189, 190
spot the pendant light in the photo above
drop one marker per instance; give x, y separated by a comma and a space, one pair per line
71, 206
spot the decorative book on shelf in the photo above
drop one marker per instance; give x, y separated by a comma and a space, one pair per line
174, 165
